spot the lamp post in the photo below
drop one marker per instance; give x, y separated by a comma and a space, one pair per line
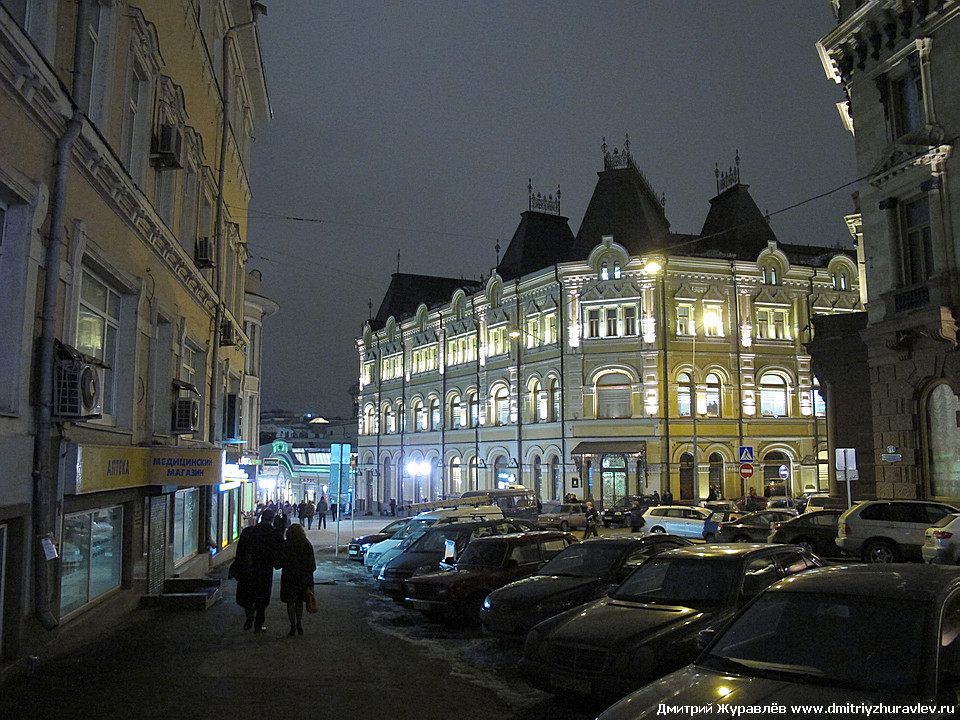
417, 470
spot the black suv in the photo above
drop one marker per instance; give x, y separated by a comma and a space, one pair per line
488, 563
426, 552
619, 512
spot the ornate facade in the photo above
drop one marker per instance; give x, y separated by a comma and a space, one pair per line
899, 63
623, 360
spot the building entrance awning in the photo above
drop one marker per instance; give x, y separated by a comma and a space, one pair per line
626, 447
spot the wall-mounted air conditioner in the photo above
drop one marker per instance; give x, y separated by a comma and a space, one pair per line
169, 147
228, 333
203, 255
186, 415
78, 385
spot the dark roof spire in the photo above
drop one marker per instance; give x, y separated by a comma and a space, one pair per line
542, 203
727, 179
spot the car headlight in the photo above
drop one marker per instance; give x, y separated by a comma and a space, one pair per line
364, 546
635, 661
486, 603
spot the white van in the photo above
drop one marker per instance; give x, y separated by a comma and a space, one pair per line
378, 555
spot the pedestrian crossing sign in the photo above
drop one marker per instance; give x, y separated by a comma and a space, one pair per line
746, 453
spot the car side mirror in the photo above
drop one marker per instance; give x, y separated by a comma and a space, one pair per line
705, 637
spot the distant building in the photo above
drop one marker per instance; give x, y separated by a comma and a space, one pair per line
130, 359
898, 63
620, 360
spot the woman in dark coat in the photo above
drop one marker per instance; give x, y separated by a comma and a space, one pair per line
253, 568
296, 580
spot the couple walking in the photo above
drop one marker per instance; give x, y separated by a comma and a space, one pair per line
262, 548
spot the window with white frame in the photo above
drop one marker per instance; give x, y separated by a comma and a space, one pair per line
685, 318
401, 416
555, 399
906, 115
612, 321
549, 328
425, 359
541, 402
457, 414
497, 343
684, 394
136, 122
713, 319
473, 403
774, 398
713, 395
391, 366
390, 424
462, 349
593, 323
420, 416
613, 396
770, 274
819, 406
533, 332
98, 327
436, 419
772, 323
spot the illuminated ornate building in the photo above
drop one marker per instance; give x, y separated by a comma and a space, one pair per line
622, 360
131, 327
899, 63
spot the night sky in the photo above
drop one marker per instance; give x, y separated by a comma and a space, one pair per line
413, 127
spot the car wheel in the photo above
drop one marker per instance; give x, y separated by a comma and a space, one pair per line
564, 525
709, 537
657, 529
806, 543
881, 551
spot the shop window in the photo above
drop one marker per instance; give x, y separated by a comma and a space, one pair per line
186, 524
90, 552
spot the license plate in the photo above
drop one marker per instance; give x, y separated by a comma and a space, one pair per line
570, 683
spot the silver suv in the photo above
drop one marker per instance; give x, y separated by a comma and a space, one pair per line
886, 531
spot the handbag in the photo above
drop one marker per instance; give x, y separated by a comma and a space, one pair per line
311, 603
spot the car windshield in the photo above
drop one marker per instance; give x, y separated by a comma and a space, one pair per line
584, 560
551, 507
434, 541
413, 527
488, 554
395, 527
568, 508
680, 581
850, 641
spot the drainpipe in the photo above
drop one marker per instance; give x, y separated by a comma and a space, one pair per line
44, 483
561, 301
736, 321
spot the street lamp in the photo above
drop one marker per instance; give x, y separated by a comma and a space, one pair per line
417, 470
710, 322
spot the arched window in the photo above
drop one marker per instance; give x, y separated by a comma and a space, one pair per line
391, 419
613, 396
555, 400
770, 274
537, 476
473, 474
457, 416
401, 417
502, 473
773, 483
435, 418
556, 479
538, 402
501, 406
684, 394
941, 413
773, 396
456, 480
369, 421
687, 481
473, 403
419, 416
713, 408
604, 271
716, 473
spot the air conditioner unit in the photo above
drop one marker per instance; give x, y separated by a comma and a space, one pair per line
203, 255
186, 415
78, 386
228, 333
169, 147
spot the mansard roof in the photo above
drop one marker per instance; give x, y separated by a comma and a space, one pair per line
541, 240
407, 292
734, 226
623, 205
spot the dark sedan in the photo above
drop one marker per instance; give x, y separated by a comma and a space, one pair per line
487, 564
579, 574
649, 625
753, 527
619, 512
815, 531
871, 634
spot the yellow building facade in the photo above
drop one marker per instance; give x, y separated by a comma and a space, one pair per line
131, 393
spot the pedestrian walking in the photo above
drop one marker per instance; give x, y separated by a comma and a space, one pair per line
593, 519
306, 511
280, 523
656, 498
636, 517
298, 563
333, 511
322, 512
393, 507
253, 567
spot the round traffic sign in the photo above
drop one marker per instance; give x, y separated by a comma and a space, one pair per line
784, 472
746, 471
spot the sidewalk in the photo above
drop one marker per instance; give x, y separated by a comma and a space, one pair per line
200, 665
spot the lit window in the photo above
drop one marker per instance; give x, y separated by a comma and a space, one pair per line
611, 322
684, 394
457, 418
773, 396
713, 395
613, 396
435, 419
684, 319
98, 326
501, 406
593, 323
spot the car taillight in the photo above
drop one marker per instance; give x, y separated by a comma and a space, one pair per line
942, 534
719, 527
847, 530
776, 526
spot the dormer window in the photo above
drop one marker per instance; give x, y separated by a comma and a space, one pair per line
770, 275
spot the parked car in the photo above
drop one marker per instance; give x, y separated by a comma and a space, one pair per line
870, 635
885, 531
358, 545
486, 564
619, 512
579, 574
682, 520
425, 553
752, 527
380, 553
712, 524
814, 531
563, 516
751, 503
942, 541
648, 626
823, 501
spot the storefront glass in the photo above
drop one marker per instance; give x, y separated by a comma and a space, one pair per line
90, 556
186, 523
